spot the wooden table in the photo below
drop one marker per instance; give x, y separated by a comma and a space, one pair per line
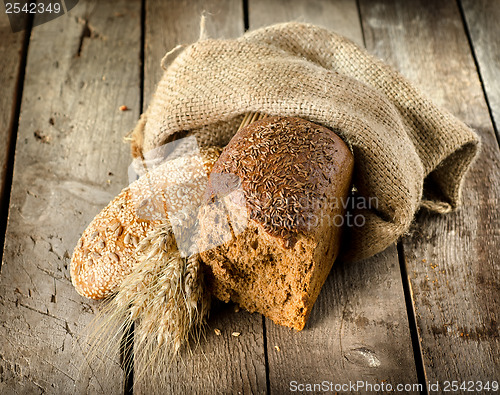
425, 310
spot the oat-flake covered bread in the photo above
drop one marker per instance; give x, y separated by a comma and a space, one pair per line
294, 175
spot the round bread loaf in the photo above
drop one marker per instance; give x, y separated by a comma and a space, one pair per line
295, 177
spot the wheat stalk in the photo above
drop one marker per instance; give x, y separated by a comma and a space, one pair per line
164, 298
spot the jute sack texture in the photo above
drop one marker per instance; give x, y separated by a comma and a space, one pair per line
408, 152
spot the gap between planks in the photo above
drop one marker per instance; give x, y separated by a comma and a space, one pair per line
480, 19
58, 184
340, 298
222, 363
10, 117
451, 259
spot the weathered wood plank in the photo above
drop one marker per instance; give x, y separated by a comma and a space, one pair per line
11, 52
70, 161
358, 329
452, 260
340, 16
482, 18
221, 364
173, 22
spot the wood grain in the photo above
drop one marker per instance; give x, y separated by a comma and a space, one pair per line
340, 16
70, 162
11, 52
221, 364
482, 18
177, 22
452, 260
358, 329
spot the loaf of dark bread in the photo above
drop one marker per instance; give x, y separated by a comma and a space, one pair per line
271, 226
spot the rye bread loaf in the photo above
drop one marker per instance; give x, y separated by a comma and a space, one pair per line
293, 176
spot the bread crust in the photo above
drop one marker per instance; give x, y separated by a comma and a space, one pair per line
107, 250
295, 176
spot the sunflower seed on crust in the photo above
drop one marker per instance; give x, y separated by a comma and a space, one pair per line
114, 226
135, 241
118, 231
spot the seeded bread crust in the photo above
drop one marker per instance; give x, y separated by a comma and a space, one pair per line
294, 175
108, 248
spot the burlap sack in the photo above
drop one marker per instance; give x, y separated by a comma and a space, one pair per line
398, 137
